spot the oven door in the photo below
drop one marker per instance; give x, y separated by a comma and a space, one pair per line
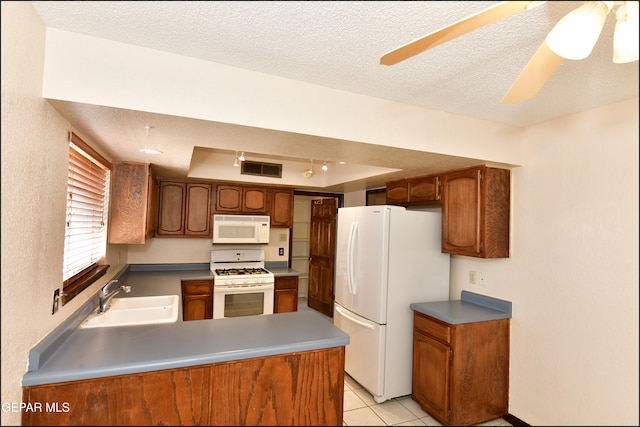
236, 301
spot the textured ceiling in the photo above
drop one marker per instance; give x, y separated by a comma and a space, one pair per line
338, 44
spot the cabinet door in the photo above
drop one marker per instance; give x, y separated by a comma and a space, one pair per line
198, 214
172, 199
281, 208
431, 375
229, 198
254, 200
424, 190
128, 211
398, 192
197, 299
475, 212
285, 294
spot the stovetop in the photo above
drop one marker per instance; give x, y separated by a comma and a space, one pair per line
240, 271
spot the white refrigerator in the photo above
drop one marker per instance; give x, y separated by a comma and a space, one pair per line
387, 257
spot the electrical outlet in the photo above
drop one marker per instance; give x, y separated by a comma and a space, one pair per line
482, 278
281, 251
472, 277
56, 299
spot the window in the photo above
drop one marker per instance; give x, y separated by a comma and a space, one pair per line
376, 197
85, 239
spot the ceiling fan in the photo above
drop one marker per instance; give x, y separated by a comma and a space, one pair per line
573, 37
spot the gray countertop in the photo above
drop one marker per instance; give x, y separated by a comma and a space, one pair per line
77, 354
471, 307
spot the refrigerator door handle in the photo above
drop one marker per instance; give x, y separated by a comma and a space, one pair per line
350, 254
353, 319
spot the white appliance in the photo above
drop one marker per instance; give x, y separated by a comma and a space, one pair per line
387, 257
241, 229
241, 284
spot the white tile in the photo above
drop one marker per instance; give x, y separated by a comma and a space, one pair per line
415, 422
361, 417
353, 384
365, 396
352, 401
430, 421
393, 412
414, 407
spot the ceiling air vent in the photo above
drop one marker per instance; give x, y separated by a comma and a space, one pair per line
272, 170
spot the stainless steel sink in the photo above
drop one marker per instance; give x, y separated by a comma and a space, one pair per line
136, 311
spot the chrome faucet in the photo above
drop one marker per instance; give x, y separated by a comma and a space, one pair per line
106, 295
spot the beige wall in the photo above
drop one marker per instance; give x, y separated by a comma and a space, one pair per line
572, 276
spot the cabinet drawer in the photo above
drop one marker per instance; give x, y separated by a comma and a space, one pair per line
430, 326
286, 282
197, 288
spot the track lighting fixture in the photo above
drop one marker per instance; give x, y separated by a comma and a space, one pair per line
324, 166
241, 158
235, 161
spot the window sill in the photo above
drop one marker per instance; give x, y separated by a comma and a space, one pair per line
82, 282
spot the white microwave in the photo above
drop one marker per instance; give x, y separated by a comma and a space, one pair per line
241, 229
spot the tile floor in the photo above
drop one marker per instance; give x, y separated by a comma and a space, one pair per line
361, 410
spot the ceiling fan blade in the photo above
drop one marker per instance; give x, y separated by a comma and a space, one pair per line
535, 74
463, 26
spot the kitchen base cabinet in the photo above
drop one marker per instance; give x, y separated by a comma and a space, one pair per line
197, 299
285, 295
461, 371
296, 389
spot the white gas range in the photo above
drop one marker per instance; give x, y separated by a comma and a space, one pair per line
241, 284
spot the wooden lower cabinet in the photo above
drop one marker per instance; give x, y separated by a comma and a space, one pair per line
197, 299
293, 389
461, 371
285, 295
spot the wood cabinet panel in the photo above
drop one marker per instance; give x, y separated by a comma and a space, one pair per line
475, 212
281, 207
240, 199
255, 200
398, 192
229, 198
414, 191
464, 381
289, 390
303, 388
172, 197
285, 294
96, 402
175, 397
198, 214
184, 209
133, 202
197, 299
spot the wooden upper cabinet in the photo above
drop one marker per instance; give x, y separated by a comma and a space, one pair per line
239, 199
198, 213
424, 189
398, 192
417, 190
281, 207
475, 212
184, 209
172, 197
255, 200
133, 203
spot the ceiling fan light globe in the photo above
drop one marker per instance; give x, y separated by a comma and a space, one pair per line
625, 38
576, 33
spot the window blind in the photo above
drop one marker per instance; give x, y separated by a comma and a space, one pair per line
87, 210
